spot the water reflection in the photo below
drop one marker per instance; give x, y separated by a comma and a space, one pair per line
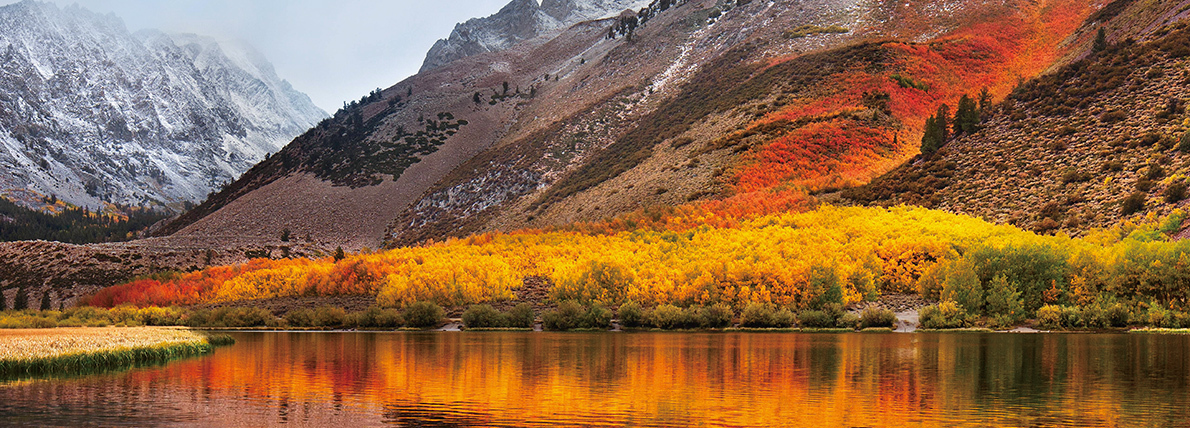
637, 379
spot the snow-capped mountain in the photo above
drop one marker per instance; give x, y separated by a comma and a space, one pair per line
92, 113
518, 21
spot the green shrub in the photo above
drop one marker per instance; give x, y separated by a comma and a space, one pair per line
1036, 270
567, 316
124, 315
1149, 139
571, 315
85, 316
26, 320
1055, 317
423, 315
946, 314
1155, 172
484, 316
632, 315
671, 317
1132, 203
597, 317
1175, 193
521, 316
1105, 312
962, 286
874, 317
161, 316
232, 317
815, 319
1181, 319
848, 320
1004, 300
1158, 316
1094, 316
1072, 317
825, 287
375, 317
765, 315
1049, 317
718, 315
1117, 315
323, 316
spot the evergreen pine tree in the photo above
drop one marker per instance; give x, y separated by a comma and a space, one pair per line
21, 300
3, 301
45, 301
985, 104
930, 140
942, 120
1004, 300
966, 116
339, 255
1100, 43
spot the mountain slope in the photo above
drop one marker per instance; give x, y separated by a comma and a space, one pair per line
704, 100
758, 117
1100, 140
91, 113
716, 111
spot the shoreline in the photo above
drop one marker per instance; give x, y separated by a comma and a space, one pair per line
869, 330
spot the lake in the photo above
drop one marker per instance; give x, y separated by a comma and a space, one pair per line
464, 379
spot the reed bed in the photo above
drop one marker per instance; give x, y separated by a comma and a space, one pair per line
65, 351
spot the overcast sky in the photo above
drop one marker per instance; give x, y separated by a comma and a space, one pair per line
332, 50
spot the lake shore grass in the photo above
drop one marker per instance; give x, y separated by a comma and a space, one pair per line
1153, 330
69, 351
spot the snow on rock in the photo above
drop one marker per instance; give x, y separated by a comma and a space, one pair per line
520, 20
92, 113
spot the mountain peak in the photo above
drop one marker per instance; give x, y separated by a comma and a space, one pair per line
98, 115
518, 21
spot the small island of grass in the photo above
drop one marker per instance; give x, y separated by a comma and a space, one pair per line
66, 351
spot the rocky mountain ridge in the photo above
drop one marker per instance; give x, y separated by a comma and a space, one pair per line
93, 114
505, 98
519, 21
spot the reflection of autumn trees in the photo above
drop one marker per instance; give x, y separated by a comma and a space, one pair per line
519, 379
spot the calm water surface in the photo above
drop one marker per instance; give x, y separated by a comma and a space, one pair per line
635, 379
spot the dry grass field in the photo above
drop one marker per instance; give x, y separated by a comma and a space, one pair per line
26, 352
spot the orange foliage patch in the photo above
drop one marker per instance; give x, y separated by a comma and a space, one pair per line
993, 53
815, 150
